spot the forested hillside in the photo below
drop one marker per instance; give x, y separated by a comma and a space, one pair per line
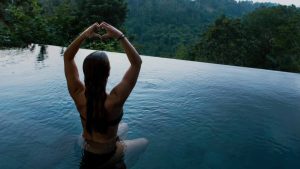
56, 22
265, 38
218, 31
158, 27
167, 27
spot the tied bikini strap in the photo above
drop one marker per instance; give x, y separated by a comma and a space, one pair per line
109, 123
116, 121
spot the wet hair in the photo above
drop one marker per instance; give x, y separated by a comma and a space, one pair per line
96, 70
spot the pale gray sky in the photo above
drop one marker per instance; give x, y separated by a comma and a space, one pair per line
283, 2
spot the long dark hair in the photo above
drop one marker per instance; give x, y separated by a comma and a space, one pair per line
96, 70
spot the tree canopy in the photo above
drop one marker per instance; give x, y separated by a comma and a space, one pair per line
261, 35
266, 38
56, 22
165, 27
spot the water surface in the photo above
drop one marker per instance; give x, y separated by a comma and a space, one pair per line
195, 115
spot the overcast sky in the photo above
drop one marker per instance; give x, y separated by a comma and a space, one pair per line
283, 2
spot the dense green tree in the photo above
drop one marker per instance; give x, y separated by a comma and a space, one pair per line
56, 22
2, 8
111, 11
276, 31
225, 42
25, 22
160, 27
62, 23
5, 34
266, 38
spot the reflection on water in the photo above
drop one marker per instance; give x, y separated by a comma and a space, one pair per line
62, 51
32, 47
42, 54
195, 115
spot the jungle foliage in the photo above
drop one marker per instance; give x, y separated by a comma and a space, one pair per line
56, 22
266, 38
261, 35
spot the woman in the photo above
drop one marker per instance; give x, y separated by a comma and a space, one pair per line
102, 112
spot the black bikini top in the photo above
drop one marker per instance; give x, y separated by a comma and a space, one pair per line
109, 123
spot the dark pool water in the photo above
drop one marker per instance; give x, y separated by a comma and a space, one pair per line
195, 115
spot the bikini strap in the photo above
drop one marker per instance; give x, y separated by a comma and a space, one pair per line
110, 123
116, 121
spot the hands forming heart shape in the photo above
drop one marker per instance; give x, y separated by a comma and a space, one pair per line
111, 32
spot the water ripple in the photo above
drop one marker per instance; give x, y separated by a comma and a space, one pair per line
196, 115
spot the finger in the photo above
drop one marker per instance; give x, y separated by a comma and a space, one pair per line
98, 26
104, 25
105, 36
96, 35
95, 24
103, 22
94, 27
108, 25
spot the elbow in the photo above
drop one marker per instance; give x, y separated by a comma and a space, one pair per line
66, 56
137, 64
140, 61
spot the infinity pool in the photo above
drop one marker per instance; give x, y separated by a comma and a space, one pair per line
195, 115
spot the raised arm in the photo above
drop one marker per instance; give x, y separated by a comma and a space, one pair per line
75, 86
121, 92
